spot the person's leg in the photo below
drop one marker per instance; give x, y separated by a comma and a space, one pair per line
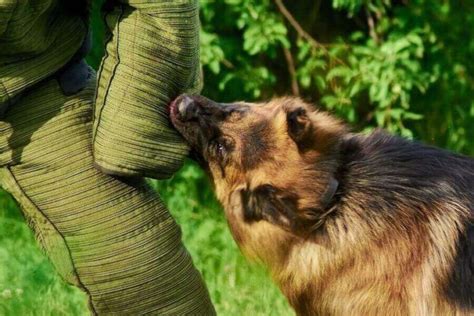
112, 237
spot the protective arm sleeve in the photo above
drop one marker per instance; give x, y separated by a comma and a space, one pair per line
152, 55
112, 237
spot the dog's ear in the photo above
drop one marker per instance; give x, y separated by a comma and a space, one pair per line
271, 204
300, 127
314, 130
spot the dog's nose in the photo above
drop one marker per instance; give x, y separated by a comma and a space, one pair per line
187, 108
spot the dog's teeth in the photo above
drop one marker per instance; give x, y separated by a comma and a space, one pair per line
182, 107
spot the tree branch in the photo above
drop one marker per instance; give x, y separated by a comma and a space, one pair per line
301, 32
227, 63
371, 24
291, 70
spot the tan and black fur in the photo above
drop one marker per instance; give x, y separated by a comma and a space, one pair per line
348, 224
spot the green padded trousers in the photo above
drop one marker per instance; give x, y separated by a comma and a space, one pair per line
112, 237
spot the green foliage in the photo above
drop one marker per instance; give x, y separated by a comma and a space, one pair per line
248, 32
401, 66
28, 282
97, 29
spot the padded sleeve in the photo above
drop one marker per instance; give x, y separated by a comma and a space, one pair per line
113, 238
152, 55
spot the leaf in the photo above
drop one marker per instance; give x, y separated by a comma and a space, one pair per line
340, 71
396, 113
380, 118
320, 83
412, 116
305, 81
355, 89
330, 101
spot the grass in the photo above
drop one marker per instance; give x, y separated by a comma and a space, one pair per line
29, 285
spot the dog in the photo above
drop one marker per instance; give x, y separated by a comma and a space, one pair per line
347, 223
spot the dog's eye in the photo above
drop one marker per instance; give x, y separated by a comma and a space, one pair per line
217, 149
220, 147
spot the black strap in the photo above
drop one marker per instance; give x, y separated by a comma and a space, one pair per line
73, 77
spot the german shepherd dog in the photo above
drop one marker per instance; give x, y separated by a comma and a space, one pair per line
348, 224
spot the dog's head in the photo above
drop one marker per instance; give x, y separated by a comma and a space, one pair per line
275, 161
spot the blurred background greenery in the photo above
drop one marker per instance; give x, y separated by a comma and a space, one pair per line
406, 66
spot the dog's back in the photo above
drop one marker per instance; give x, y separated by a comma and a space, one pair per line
405, 211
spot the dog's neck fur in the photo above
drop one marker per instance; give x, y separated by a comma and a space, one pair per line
318, 274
